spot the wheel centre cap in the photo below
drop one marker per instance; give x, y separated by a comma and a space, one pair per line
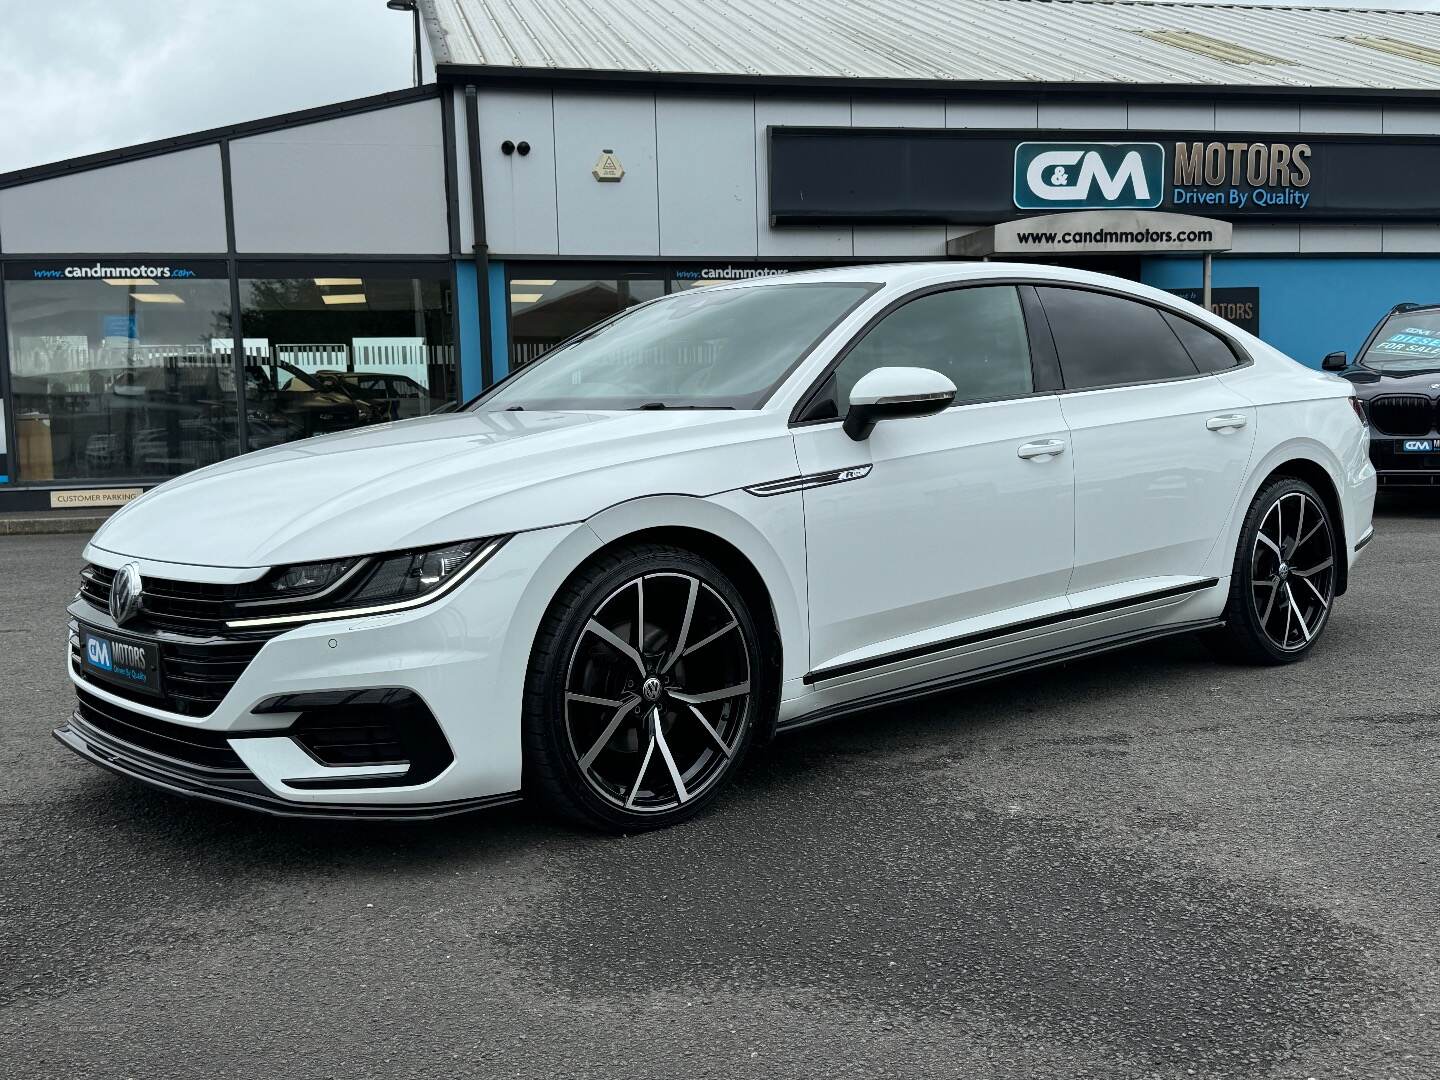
652, 689
1284, 570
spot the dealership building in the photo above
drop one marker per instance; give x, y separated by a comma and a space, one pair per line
169, 305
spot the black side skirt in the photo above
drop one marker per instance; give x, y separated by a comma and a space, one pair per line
996, 671
901, 655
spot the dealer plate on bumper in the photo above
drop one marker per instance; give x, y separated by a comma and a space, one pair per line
1418, 446
119, 660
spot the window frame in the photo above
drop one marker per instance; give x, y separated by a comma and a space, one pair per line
1242, 355
1044, 366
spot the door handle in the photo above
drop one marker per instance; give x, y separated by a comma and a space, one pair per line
1230, 422
1045, 448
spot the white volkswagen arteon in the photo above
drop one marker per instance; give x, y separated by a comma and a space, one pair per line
720, 514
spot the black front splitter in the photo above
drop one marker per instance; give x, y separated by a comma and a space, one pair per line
247, 793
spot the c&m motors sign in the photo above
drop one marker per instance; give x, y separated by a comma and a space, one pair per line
1089, 176
982, 176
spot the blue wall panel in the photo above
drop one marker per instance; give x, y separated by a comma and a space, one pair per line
468, 312
1312, 305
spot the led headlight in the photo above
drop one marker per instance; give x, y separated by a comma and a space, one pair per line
370, 585
307, 578
413, 573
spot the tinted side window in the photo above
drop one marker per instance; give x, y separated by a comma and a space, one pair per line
1208, 349
975, 337
1106, 340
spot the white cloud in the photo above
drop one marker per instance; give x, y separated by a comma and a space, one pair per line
78, 76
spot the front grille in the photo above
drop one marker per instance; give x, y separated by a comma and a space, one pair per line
1402, 414
209, 750
185, 607
194, 676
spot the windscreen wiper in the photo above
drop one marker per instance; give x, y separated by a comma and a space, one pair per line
650, 405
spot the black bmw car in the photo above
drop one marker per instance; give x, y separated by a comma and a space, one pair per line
1397, 379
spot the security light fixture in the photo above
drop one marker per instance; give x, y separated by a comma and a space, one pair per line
344, 298
544, 282
524, 297
323, 281
128, 281
157, 297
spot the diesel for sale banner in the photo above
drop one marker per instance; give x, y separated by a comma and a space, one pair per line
922, 176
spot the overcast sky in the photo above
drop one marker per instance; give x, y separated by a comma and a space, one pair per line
77, 76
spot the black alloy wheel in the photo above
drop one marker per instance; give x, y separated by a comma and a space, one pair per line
644, 690
1284, 581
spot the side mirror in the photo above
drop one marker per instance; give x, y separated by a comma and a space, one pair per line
890, 392
1334, 361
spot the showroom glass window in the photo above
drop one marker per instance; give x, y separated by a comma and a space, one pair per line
544, 311
330, 348
119, 371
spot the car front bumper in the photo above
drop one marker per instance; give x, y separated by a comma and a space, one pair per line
461, 660
1396, 466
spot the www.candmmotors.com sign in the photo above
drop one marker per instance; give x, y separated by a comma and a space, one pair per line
1094, 232
959, 176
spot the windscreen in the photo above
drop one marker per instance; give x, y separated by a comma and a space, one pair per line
711, 348
1409, 341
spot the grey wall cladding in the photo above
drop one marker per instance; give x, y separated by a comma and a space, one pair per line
369, 184
171, 203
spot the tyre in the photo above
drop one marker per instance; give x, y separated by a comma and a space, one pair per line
643, 692
1283, 582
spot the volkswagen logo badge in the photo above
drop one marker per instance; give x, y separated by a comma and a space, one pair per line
125, 594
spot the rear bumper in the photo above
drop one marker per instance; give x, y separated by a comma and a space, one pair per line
233, 789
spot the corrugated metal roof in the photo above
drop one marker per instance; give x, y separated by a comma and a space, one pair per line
1011, 41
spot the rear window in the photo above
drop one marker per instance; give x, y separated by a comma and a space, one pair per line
1208, 349
1409, 341
1107, 340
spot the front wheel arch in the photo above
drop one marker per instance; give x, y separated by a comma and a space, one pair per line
738, 567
